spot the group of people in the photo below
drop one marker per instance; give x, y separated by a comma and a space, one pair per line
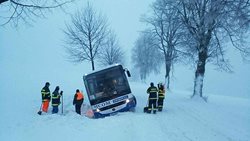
156, 98
56, 99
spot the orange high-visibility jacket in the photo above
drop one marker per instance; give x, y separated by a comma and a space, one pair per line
79, 96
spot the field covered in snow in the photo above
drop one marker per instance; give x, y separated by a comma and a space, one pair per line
222, 118
30, 56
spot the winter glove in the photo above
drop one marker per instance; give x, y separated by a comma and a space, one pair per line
61, 93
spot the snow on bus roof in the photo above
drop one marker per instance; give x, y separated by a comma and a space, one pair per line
109, 66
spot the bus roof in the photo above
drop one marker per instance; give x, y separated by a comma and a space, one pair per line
107, 67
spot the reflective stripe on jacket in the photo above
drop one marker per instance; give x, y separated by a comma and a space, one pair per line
55, 98
152, 92
161, 94
45, 94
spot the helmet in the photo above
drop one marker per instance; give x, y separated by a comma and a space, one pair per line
47, 84
161, 85
151, 84
57, 88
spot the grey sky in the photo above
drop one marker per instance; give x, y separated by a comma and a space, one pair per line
33, 55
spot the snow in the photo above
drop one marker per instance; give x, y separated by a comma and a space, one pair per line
32, 56
222, 118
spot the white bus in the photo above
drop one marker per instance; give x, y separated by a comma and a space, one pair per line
108, 91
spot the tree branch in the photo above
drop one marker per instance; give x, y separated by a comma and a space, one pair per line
21, 11
2, 1
39, 6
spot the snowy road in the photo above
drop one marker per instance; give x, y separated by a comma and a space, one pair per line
221, 119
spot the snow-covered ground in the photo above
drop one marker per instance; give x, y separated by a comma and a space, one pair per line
222, 118
30, 56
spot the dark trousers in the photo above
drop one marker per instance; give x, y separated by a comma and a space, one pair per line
55, 109
152, 105
78, 108
160, 104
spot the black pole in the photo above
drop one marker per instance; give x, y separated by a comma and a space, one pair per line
62, 104
61, 94
40, 110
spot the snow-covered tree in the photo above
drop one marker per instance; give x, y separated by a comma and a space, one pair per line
86, 35
145, 55
166, 27
16, 11
210, 23
111, 52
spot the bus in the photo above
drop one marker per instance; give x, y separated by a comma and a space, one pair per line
108, 91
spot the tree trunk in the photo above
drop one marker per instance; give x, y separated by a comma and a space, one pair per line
91, 52
168, 63
93, 64
199, 74
167, 75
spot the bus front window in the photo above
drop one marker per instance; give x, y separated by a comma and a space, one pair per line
107, 86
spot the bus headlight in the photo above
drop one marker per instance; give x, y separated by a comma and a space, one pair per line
127, 101
98, 110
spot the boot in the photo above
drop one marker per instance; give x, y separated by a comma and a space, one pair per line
154, 111
159, 109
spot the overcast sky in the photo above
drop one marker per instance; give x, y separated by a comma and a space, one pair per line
33, 55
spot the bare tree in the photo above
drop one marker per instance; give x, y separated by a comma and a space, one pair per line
145, 55
86, 35
209, 24
16, 11
111, 51
166, 27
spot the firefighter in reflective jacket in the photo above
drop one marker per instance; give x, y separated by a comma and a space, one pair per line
161, 96
56, 99
78, 100
152, 99
45, 97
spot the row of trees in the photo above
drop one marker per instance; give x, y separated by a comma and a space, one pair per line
190, 31
193, 32
146, 58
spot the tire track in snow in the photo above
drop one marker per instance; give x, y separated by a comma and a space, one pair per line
194, 115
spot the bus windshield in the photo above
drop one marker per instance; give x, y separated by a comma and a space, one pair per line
107, 84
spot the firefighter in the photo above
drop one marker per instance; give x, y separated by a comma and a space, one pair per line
45, 97
161, 96
152, 99
78, 100
56, 99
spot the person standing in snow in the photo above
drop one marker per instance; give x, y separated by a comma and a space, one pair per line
56, 99
45, 97
152, 99
161, 96
78, 100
